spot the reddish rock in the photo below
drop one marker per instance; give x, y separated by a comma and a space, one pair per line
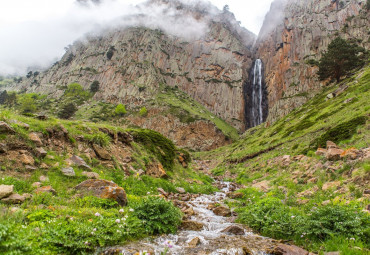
321, 152
5, 128
34, 137
331, 145
79, 162
41, 152
103, 189
164, 193
156, 170
333, 154
351, 153
284, 249
46, 189
26, 159
14, 199
101, 152
235, 195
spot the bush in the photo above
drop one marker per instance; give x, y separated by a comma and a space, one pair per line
99, 138
120, 110
67, 111
110, 53
11, 243
143, 112
28, 103
94, 87
158, 215
91, 201
76, 93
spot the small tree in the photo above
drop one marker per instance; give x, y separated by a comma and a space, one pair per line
67, 111
341, 58
3, 97
143, 112
120, 110
28, 103
94, 87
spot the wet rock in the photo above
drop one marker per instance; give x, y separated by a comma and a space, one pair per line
333, 154
222, 211
156, 170
79, 162
103, 189
6, 190
191, 225
14, 199
188, 211
262, 186
284, 249
5, 128
34, 137
68, 171
234, 230
41, 152
90, 175
235, 195
194, 242
46, 189
180, 190
26, 159
101, 152
330, 185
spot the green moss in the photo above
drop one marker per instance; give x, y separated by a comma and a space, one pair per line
162, 148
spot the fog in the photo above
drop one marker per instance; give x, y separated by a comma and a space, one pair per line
33, 34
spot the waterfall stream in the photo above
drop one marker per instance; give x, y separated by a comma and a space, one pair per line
257, 93
213, 240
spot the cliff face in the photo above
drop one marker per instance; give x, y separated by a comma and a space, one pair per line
211, 70
296, 31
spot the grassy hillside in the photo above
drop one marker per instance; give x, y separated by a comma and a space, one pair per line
301, 196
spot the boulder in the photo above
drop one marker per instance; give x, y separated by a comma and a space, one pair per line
191, 225
101, 152
321, 152
26, 159
34, 137
6, 190
194, 242
3, 148
156, 170
41, 152
351, 153
5, 128
331, 145
68, 171
284, 249
180, 190
330, 185
46, 189
333, 154
14, 199
103, 189
91, 175
79, 162
262, 186
234, 230
222, 211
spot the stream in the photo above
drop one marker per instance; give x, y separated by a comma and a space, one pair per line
218, 236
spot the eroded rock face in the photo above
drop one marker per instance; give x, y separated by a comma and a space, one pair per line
295, 31
103, 189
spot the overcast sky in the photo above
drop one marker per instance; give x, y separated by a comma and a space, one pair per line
35, 32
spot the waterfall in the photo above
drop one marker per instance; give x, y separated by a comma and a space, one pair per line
257, 94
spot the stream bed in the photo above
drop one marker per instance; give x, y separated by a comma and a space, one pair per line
217, 235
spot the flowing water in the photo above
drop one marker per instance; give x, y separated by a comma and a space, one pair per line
211, 238
257, 93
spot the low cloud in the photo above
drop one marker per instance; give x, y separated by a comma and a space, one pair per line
37, 44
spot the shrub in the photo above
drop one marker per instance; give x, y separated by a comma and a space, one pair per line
99, 138
94, 87
91, 201
28, 103
76, 93
110, 53
143, 112
341, 132
67, 111
158, 215
3, 97
11, 243
120, 110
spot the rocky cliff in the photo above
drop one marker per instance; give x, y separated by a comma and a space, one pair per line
296, 31
131, 64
